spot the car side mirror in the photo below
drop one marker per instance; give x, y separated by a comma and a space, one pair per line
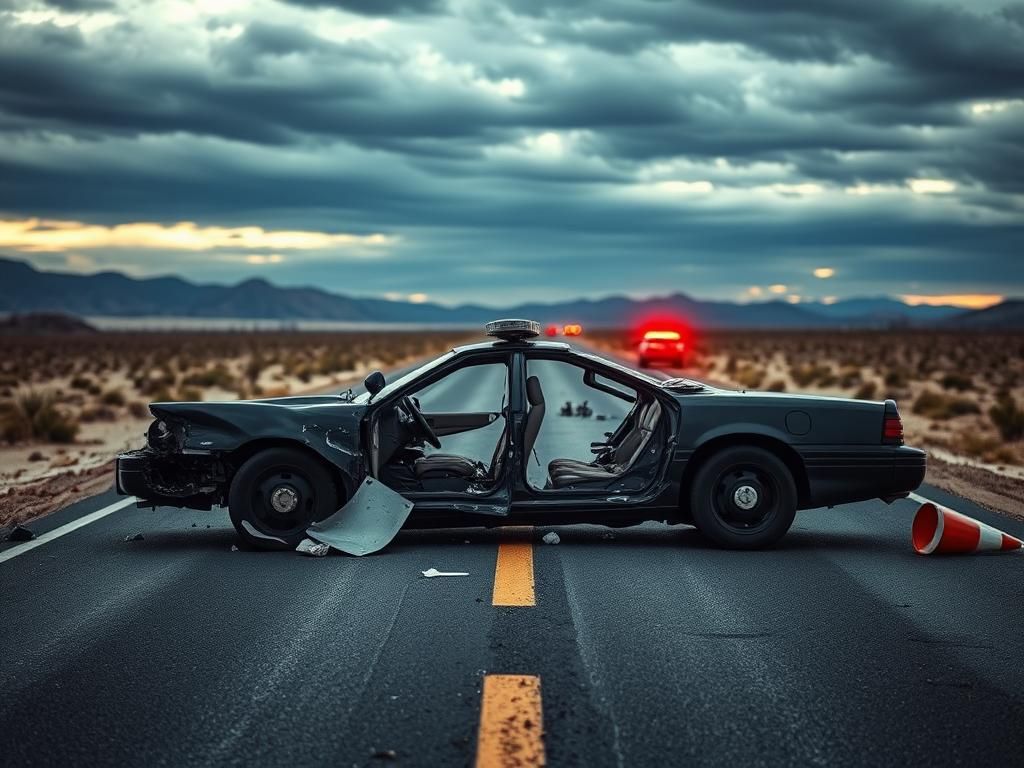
374, 383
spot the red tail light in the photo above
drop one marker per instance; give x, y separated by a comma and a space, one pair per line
892, 424
893, 427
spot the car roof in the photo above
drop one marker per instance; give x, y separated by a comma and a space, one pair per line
488, 346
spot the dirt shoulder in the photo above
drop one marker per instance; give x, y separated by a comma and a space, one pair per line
993, 491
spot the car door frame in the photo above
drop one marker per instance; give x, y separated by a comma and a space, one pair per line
525, 497
496, 502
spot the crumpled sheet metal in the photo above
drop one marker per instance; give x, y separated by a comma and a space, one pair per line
367, 523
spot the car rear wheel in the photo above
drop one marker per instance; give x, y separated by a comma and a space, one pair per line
277, 494
743, 498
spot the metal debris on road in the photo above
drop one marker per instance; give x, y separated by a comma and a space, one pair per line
551, 538
367, 523
20, 533
234, 548
432, 572
134, 537
313, 548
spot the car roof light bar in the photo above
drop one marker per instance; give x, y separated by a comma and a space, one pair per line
513, 330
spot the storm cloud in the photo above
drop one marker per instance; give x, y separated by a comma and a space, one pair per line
526, 149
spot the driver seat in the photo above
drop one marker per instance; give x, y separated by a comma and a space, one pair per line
453, 465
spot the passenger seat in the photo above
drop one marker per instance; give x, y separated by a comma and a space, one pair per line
626, 455
615, 454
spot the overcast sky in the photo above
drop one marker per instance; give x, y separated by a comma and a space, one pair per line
499, 151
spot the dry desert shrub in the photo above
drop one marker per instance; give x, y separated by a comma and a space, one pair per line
113, 397
939, 406
958, 381
1007, 417
749, 376
36, 415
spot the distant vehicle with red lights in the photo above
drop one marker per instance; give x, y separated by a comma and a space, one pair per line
661, 346
574, 329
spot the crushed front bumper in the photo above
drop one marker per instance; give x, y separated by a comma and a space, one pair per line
130, 475
168, 481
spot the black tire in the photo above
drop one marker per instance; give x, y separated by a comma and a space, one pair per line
733, 478
300, 481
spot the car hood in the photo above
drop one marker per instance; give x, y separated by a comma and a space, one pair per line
184, 409
229, 424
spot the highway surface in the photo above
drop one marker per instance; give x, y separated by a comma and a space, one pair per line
642, 646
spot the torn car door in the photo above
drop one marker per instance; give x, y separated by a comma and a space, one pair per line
367, 523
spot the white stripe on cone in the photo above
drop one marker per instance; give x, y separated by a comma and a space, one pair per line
939, 530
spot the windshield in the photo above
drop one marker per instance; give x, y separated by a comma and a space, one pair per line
410, 376
621, 368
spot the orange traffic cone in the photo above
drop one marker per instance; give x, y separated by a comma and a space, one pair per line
941, 531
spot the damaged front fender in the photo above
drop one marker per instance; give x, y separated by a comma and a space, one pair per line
326, 424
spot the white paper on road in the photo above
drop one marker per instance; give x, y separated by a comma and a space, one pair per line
367, 523
432, 572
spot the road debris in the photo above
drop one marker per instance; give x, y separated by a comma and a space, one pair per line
134, 537
608, 535
551, 538
234, 548
385, 754
366, 523
20, 533
313, 548
432, 572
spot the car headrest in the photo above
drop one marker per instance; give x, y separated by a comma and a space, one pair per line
650, 419
533, 391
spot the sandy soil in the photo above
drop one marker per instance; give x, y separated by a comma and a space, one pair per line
995, 492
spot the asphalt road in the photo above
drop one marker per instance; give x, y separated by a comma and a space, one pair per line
840, 647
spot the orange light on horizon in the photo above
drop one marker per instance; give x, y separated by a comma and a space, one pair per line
965, 300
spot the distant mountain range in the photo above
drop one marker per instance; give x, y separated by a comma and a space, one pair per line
26, 289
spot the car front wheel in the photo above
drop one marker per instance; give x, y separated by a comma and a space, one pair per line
743, 498
277, 494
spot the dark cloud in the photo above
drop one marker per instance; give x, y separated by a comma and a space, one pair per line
376, 7
548, 133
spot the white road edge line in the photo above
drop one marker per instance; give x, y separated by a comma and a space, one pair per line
920, 499
56, 533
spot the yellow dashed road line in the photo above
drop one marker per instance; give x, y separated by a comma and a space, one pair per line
511, 727
513, 572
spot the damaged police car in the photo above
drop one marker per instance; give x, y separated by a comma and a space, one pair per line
737, 465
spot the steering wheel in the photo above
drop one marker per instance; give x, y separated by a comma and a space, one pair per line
421, 422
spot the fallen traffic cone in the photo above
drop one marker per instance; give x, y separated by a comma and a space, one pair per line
941, 531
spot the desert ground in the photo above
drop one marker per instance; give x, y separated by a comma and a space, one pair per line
70, 402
